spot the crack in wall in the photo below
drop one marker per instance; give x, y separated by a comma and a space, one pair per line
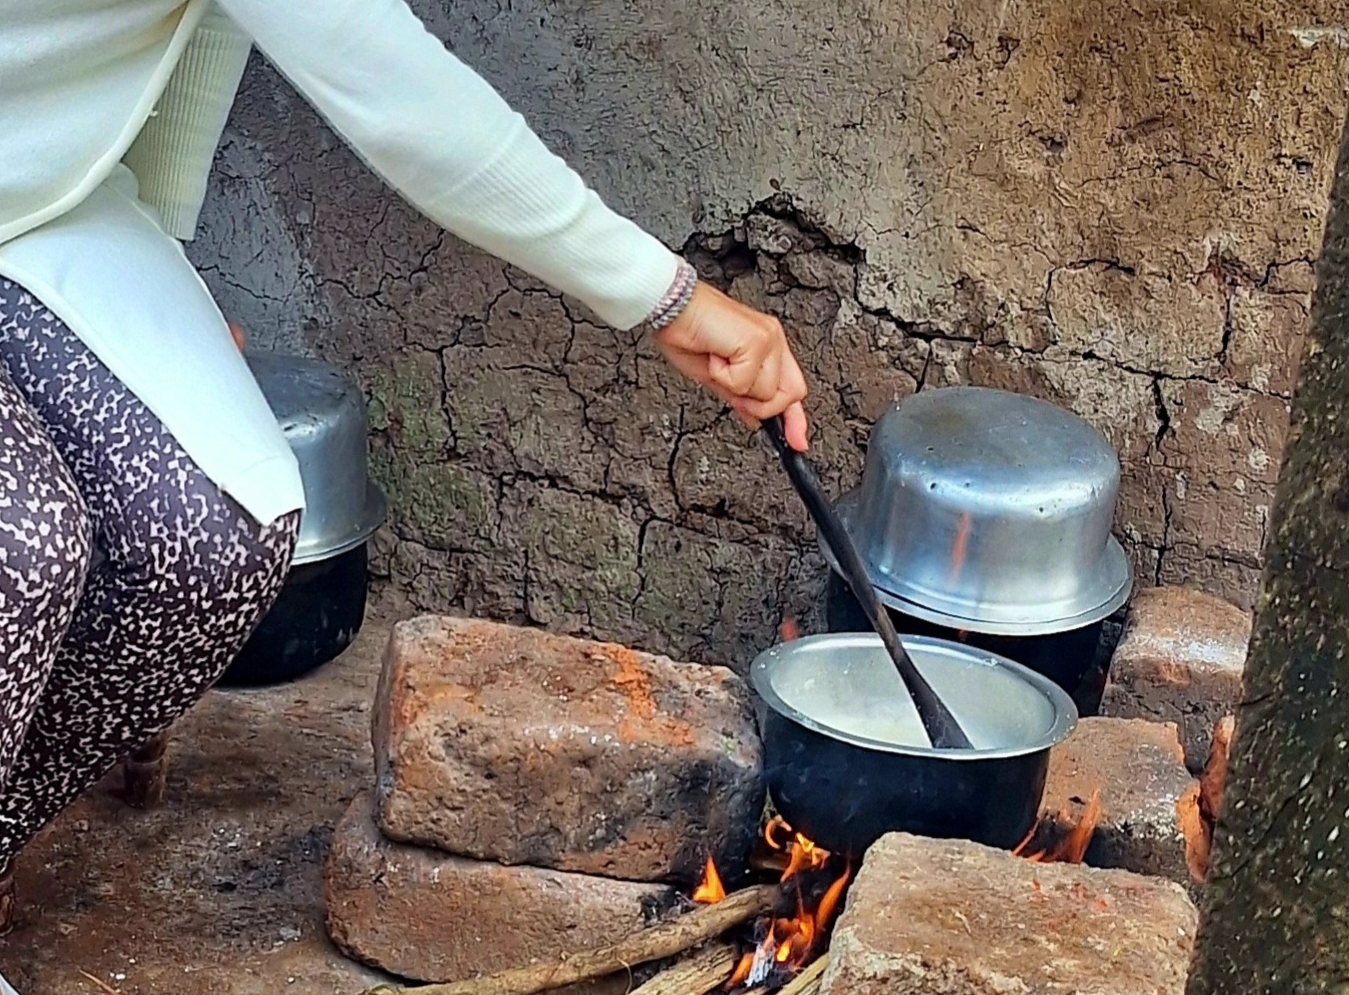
778, 258
1074, 230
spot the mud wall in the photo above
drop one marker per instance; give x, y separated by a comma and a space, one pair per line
1113, 206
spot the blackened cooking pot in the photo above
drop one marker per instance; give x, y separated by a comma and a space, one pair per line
321, 608
318, 613
1064, 657
847, 761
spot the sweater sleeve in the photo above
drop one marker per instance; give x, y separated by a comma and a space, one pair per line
442, 137
172, 155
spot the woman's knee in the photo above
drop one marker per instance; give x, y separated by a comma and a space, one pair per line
225, 574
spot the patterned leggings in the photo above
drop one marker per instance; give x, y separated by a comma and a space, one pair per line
95, 660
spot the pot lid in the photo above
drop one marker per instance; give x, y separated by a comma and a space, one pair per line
1106, 589
324, 546
990, 511
321, 413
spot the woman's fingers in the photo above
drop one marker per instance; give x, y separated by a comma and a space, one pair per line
742, 356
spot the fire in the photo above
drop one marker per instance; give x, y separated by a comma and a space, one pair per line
1068, 847
710, 890
787, 944
789, 630
802, 854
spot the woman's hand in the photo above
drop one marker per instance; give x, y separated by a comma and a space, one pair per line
741, 356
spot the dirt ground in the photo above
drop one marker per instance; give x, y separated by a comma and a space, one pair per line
220, 890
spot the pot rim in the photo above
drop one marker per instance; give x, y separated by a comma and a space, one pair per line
1114, 577
1065, 710
327, 547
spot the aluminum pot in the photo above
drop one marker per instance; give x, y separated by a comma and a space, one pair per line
847, 760
1064, 657
322, 415
988, 511
321, 608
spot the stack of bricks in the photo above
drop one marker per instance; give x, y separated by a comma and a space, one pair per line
535, 795
538, 795
954, 918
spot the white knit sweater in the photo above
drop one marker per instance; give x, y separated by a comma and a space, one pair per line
111, 111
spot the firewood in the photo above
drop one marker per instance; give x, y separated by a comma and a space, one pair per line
667, 939
699, 974
808, 981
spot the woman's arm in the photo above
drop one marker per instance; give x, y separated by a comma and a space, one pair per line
441, 136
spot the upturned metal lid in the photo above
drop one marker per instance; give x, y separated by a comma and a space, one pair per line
322, 415
989, 511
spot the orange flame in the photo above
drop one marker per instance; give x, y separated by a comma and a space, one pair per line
710, 890
789, 630
788, 942
958, 549
824, 913
805, 856
741, 971
1070, 847
802, 853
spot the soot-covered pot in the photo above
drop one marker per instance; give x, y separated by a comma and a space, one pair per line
322, 606
985, 516
847, 760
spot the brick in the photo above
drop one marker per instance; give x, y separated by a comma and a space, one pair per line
430, 916
524, 747
1139, 769
1180, 660
948, 917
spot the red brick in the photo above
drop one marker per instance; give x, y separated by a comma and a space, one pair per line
1139, 769
947, 917
429, 916
515, 745
1180, 660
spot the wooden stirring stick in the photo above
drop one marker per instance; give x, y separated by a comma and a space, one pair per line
941, 726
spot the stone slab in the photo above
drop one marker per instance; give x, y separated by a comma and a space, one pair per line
948, 917
1139, 769
1180, 659
515, 745
428, 916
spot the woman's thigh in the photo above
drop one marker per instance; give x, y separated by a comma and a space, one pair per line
178, 558
183, 573
44, 555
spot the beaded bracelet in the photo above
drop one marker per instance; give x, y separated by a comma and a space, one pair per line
672, 304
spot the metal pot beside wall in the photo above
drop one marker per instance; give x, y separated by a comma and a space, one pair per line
321, 608
847, 760
984, 517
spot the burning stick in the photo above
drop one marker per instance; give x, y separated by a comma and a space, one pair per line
668, 939
704, 972
808, 981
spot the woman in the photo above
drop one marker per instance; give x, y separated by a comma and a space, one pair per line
130, 423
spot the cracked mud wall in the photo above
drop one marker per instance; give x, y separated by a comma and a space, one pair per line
1113, 206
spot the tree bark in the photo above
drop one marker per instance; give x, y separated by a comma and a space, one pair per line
1275, 915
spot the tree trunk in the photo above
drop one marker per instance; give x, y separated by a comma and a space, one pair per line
1276, 906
